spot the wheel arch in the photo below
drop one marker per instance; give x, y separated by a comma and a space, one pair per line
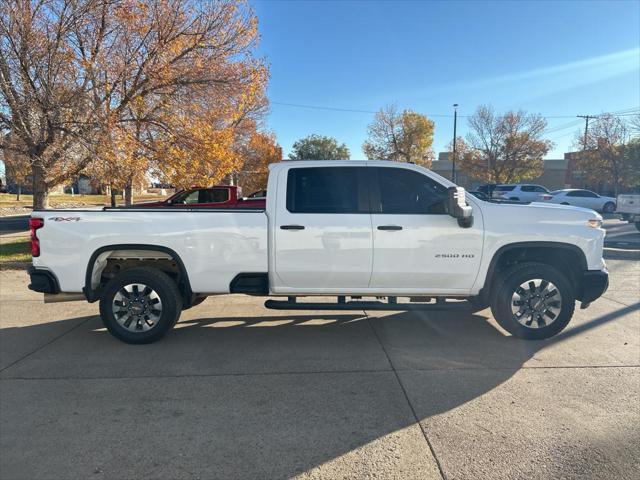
92, 292
566, 255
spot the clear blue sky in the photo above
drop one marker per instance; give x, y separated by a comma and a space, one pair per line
552, 58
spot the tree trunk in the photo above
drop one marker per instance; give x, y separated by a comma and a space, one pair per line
113, 196
40, 188
128, 194
18, 192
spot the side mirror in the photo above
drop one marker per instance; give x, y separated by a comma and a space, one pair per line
457, 207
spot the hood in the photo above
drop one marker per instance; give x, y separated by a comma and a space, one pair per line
542, 212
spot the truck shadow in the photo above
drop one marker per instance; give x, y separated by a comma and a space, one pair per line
269, 397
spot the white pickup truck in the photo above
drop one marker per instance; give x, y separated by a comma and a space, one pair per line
395, 232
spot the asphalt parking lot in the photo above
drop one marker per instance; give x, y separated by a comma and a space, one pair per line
238, 391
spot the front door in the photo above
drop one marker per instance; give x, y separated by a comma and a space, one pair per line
417, 245
323, 237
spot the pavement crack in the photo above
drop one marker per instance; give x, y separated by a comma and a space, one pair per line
406, 396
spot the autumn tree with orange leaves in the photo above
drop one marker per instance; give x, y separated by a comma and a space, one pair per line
260, 151
120, 87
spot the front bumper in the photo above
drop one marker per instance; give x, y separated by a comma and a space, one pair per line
594, 284
43, 281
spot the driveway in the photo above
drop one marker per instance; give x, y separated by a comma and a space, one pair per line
237, 391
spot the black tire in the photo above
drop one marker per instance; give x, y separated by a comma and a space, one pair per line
510, 280
609, 207
163, 287
196, 301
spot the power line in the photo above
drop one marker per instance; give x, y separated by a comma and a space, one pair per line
621, 113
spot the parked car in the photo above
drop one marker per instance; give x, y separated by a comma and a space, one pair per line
628, 206
220, 196
480, 195
342, 228
519, 192
581, 198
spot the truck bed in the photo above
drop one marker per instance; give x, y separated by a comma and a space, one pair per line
213, 244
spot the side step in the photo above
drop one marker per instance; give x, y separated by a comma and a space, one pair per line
439, 305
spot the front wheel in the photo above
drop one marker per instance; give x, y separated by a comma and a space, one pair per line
140, 305
609, 207
533, 301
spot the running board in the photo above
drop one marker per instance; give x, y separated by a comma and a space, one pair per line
360, 305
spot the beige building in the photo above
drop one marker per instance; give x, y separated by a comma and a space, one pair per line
553, 177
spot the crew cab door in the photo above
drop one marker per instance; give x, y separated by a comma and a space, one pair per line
323, 239
417, 245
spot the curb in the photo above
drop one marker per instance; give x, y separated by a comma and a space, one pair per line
620, 254
14, 265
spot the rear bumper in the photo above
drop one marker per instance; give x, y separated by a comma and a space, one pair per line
43, 281
594, 284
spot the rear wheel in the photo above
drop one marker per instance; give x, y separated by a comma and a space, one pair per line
140, 305
609, 207
533, 301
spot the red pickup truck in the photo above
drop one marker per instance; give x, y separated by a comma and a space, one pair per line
219, 196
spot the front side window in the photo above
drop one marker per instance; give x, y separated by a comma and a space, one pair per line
326, 190
187, 198
403, 191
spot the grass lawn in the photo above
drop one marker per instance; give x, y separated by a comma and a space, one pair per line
9, 199
15, 250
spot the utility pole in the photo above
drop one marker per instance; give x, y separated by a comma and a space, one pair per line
586, 128
455, 123
584, 143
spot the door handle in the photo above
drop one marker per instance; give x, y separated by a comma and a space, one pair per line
389, 227
291, 227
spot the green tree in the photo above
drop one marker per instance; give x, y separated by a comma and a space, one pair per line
402, 137
319, 147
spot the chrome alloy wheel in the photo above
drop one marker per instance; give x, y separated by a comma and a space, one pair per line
536, 303
137, 307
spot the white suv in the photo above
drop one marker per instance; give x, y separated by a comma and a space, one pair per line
520, 192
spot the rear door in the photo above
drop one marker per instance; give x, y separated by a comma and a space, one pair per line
323, 239
417, 245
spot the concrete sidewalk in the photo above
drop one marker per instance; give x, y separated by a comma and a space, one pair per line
237, 391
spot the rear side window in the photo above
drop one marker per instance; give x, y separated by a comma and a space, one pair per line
327, 190
403, 191
577, 193
533, 188
214, 195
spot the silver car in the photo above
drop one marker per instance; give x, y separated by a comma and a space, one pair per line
582, 198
